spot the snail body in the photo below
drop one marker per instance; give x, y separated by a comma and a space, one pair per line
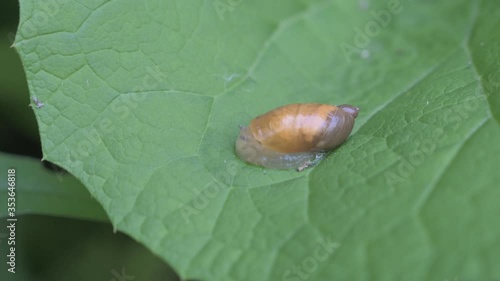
295, 136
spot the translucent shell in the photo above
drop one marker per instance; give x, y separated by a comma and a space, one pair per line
295, 135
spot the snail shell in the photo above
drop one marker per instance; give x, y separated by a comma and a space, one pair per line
295, 135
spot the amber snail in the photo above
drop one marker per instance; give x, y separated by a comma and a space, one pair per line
295, 136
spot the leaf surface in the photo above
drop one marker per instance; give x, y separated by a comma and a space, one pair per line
142, 102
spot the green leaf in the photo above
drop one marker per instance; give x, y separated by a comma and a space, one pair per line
142, 102
44, 192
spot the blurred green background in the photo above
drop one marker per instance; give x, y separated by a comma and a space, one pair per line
50, 248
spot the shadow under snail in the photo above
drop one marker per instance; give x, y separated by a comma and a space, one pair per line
295, 136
